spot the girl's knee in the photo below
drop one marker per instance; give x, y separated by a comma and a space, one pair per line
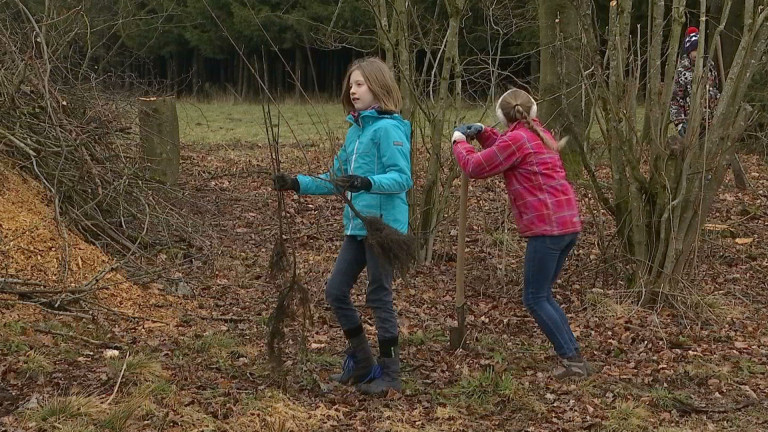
335, 295
529, 305
533, 303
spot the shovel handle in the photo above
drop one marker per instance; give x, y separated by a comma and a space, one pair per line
462, 241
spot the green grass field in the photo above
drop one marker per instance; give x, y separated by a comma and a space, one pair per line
238, 124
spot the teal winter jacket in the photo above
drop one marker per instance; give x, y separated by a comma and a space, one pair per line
377, 146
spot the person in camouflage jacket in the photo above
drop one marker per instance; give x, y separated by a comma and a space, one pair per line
680, 106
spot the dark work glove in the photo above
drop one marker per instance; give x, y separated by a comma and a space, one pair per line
471, 131
354, 183
682, 128
284, 182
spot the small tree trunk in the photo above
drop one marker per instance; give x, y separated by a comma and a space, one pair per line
739, 176
159, 136
312, 74
195, 71
298, 67
383, 30
564, 107
430, 204
242, 78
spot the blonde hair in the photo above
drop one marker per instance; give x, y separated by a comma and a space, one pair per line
379, 79
517, 105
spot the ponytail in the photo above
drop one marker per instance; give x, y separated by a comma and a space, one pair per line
546, 139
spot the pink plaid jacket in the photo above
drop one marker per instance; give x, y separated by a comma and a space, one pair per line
541, 198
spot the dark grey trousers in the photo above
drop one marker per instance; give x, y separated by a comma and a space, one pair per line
354, 256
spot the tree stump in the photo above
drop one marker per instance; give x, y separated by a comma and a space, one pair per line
739, 176
159, 136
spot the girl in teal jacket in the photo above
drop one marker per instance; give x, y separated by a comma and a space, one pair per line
373, 168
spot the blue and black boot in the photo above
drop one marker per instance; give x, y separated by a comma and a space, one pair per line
359, 365
389, 362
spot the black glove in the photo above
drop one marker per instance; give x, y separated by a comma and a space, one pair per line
354, 183
284, 182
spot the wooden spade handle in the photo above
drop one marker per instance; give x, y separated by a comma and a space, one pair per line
462, 243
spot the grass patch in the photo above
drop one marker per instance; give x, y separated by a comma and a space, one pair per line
700, 371
60, 408
748, 367
600, 303
10, 338
669, 400
79, 413
323, 359
15, 328
488, 389
162, 388
119, 416
13, 346
139, 368
214, 342
272, 411
421, 338
628, 417
35, 365
716, 306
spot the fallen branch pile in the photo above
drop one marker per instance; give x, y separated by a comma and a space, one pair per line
64, 125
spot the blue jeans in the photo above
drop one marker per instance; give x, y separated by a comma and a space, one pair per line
544, 258
354, 256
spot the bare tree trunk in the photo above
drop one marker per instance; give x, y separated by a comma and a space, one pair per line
564, 107
401, 36
313, 74
430, 208
241, 76
660, 214
726, 46
383, 28
298, 69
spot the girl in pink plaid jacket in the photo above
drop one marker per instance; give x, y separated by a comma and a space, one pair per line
544, 205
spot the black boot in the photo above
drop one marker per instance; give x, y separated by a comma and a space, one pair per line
389, 379
359, 365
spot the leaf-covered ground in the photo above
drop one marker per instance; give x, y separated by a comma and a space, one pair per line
200, 363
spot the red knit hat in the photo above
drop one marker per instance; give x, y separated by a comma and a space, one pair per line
691, 42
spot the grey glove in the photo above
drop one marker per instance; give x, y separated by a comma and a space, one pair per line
471, 131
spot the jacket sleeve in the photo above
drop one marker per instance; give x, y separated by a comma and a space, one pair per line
714, 84
395, 151
321, 184
503, 155
488, 137
677, 104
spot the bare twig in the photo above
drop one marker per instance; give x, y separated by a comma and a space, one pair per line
126, 314
119, 379
12, 281
53, 311
228, 318
111, 345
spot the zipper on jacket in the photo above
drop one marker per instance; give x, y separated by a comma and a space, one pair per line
349, 194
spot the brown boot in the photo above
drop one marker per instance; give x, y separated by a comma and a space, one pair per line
571, 368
